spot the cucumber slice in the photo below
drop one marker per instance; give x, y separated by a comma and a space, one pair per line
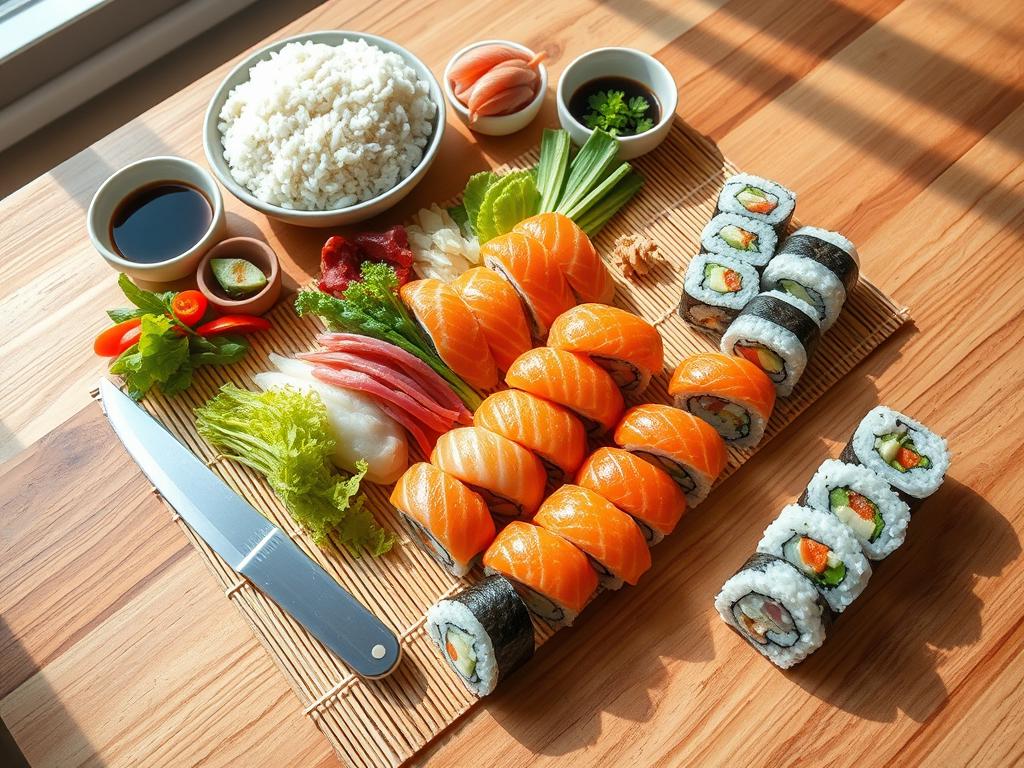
459, 647
237, 277
833, 575
738, 238
887, 447
838, 497
794, 288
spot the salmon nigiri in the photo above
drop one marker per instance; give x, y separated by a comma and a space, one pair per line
587, 274
689, 449
554, 578
637, 487
508, 477
611, 538
452, 329
498, 311
730, 393
624, 344
534, 274
551, 432
572, 380
448, 521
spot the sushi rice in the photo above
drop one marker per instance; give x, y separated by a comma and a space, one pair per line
711, 296
741, 237
902, 451
846, 571
878, 518
776, 609
758, 198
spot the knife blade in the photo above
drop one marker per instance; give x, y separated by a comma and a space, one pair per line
250, 543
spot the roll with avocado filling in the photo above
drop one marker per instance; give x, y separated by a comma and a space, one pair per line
741, 237
738, 238
859, 512
815, 560
802, 292
768, 360
720, 279
757, 200
730, 420
897, 449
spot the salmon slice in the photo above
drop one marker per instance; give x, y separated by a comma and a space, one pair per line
534, 274
508, 477
572, 380
446, 519
624, 344
554, 578
689, 449
575, 255
724, 376
550, 431
611, 538
637, 487
498, 311
452, 329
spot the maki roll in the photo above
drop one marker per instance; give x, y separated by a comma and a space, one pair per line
687, 448
759, 198
817, 266
554, 578
637, 487
624, 344
554, 435
447, 520
904, 452
484, 632
822, 549
730, 393
777, 333
607, 535
716, 288
740, 237
864, 502
776, 609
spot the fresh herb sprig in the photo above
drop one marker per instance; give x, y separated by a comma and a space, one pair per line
611, 111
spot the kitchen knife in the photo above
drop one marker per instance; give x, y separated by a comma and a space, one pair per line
250, 543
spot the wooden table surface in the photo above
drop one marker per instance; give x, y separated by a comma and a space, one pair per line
900, 123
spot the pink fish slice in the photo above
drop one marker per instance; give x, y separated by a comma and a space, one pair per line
471, 65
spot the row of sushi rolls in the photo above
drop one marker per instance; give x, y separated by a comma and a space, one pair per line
513, 485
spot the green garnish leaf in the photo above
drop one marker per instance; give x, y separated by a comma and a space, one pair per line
149, 302
588, 168
552, 168
371, 308
473, 195
283, 434
512, 198
611, 112
121, 314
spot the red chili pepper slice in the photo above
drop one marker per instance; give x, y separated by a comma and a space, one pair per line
189, 306
233, 324
117, 338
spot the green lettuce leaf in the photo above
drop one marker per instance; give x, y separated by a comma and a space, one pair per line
515, 183
473, 195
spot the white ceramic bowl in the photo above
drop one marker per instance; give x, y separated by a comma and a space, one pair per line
621, 62
497, 125
354, 213
139, 174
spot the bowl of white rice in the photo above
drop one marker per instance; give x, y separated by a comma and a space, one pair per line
325, 128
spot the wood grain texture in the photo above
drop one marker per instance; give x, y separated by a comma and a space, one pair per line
900, 123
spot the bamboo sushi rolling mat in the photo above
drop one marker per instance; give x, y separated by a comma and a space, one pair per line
386, 722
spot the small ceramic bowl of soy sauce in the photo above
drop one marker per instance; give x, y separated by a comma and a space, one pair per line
626, 71
155, 218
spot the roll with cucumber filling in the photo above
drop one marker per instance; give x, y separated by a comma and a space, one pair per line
897, 449
739, 238
757, 200
765, 620
768, 360
720, 279
815, 560
858, 512
730, 420
804, 293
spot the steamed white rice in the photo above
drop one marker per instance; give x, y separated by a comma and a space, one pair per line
322, 127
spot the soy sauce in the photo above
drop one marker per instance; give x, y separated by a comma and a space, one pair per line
579, 106
160, 221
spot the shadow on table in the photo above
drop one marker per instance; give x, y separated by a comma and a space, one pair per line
34, 701
920, 603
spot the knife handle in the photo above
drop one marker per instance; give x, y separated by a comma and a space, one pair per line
283, 572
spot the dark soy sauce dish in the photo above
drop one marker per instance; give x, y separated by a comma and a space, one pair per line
624, 121
160, 221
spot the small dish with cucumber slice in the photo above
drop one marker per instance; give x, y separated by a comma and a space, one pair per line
240, 275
